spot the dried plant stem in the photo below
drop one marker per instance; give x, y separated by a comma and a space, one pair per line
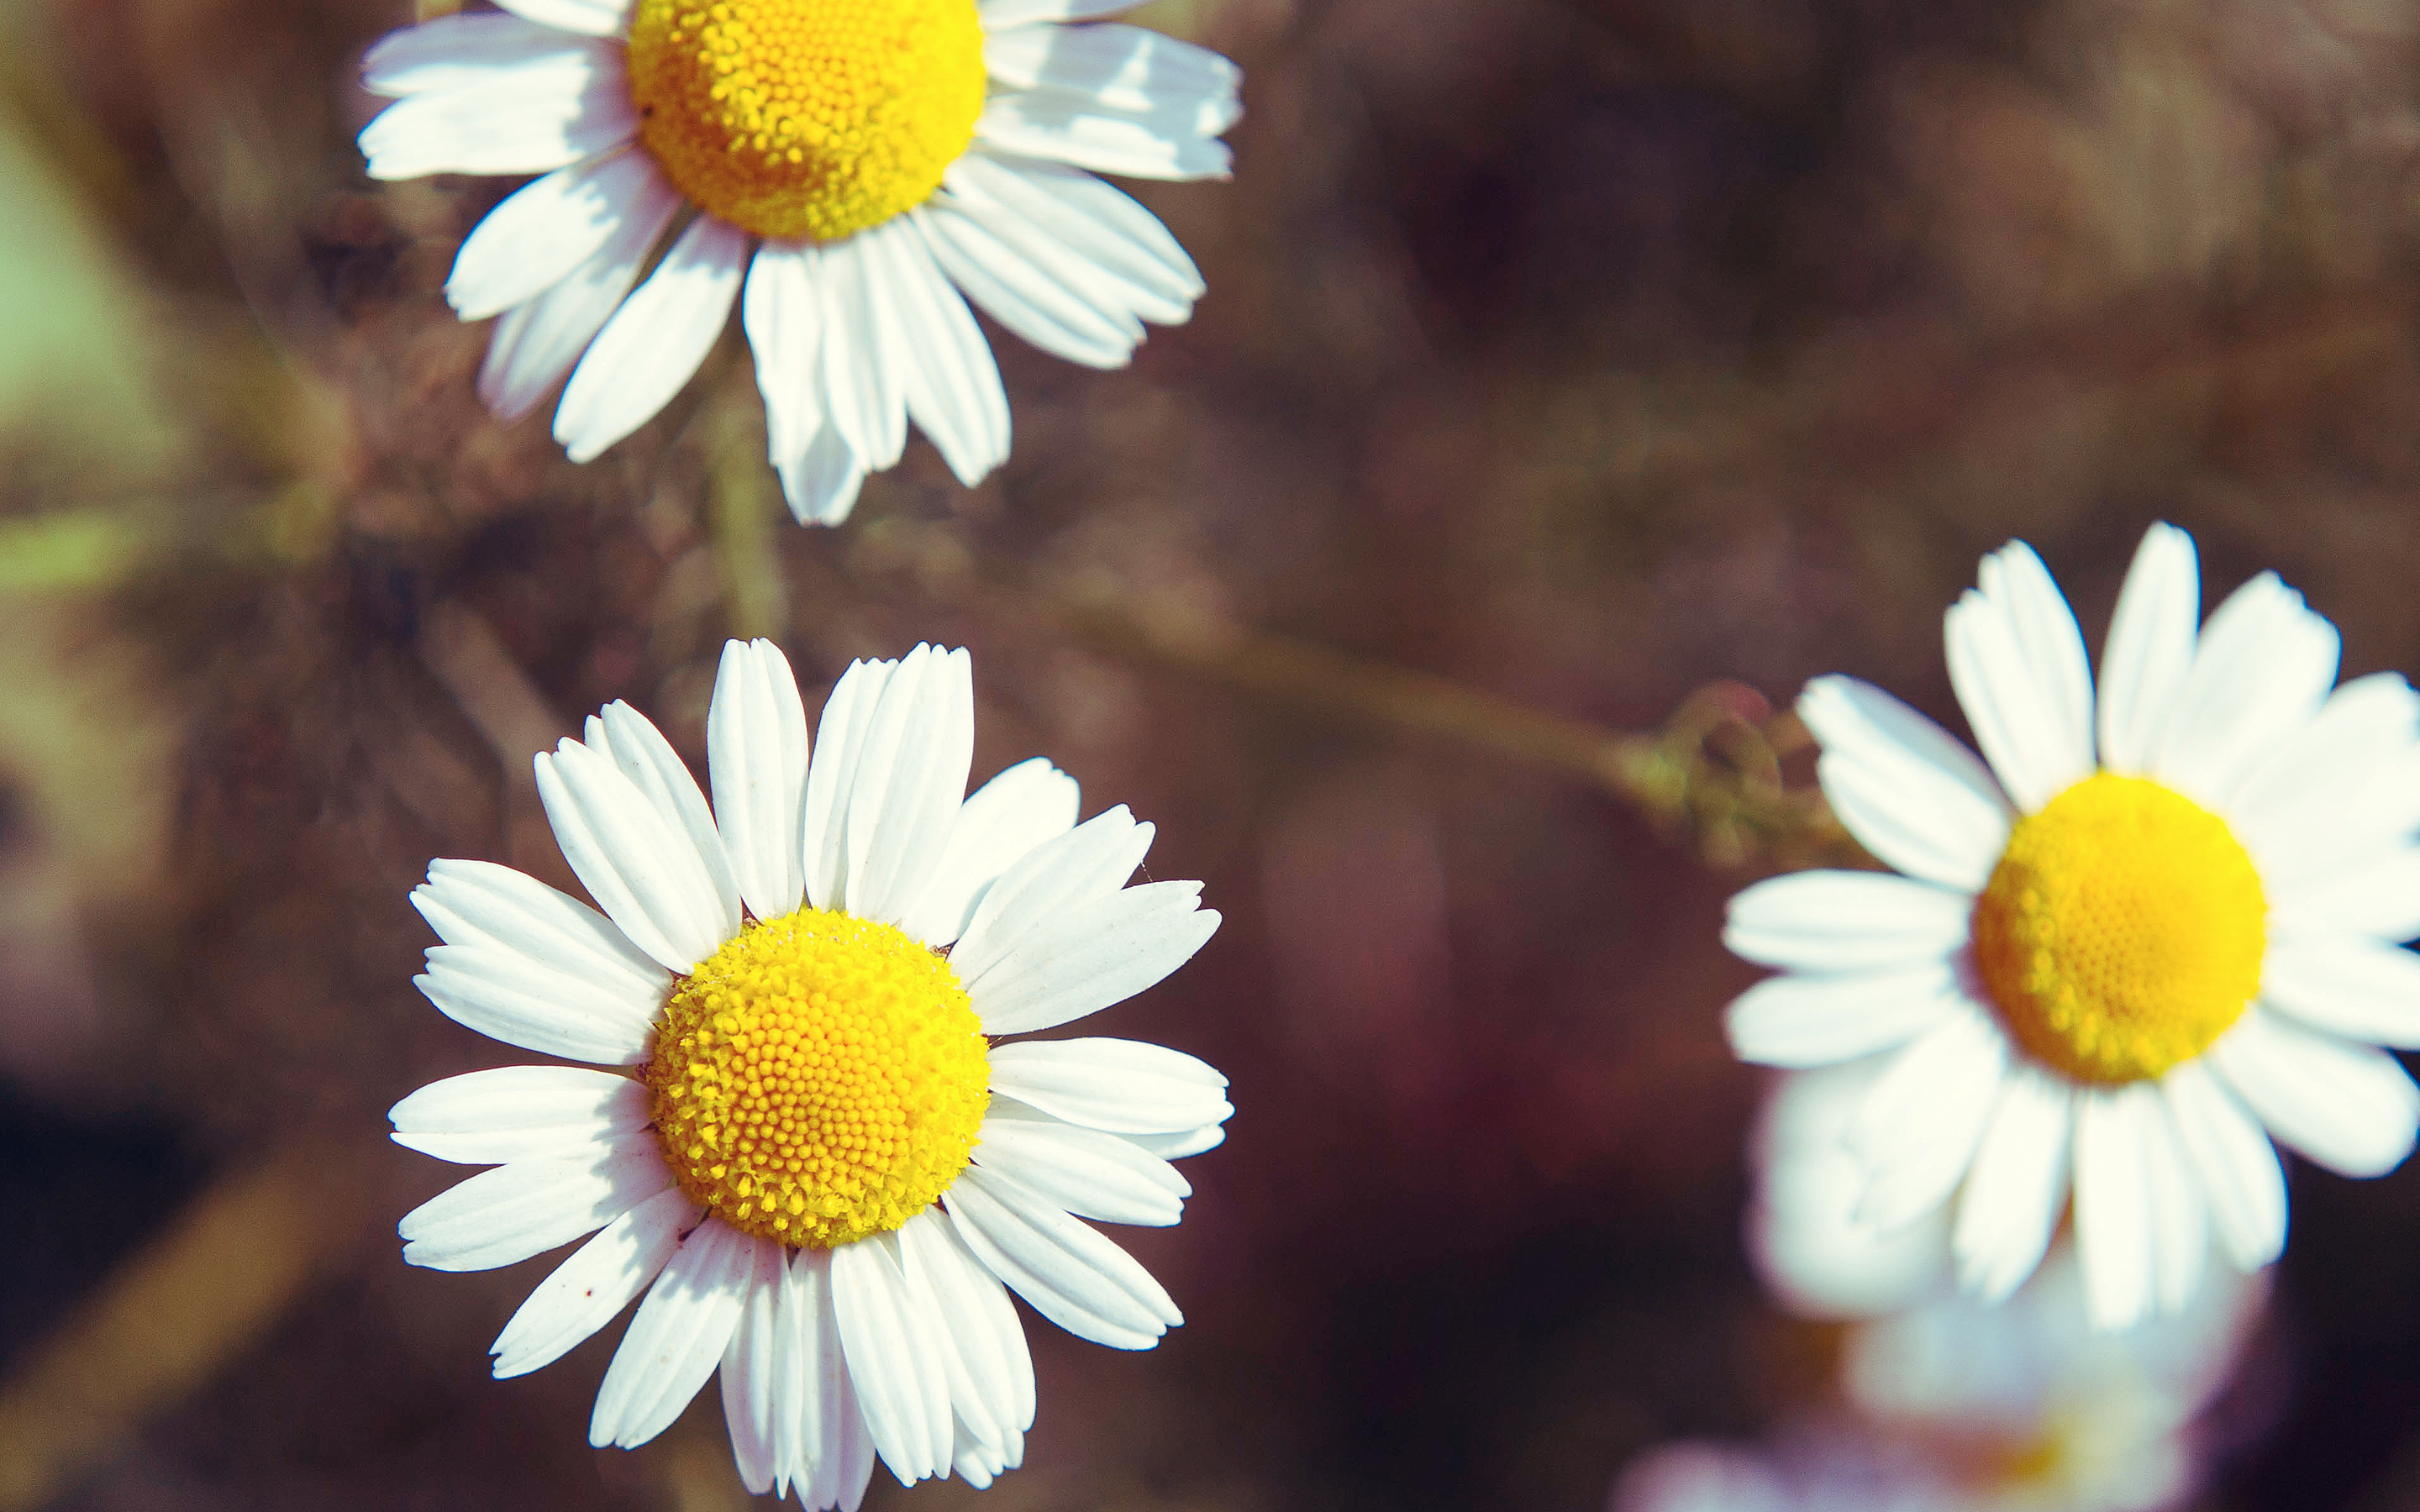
1714, 769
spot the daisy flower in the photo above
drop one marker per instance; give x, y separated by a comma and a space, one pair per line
824, 1176
2143, 936
1955, 1406
852, 172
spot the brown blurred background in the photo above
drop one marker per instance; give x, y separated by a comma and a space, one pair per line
1575, 353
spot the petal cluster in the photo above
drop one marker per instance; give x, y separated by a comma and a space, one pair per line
2318, 783
903, 1346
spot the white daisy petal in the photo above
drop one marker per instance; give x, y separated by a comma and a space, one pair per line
2347, 1107
1077, 867
998, 825
594, 17
756, 757
1802, 1229
941, 1289
647, 878
998, 15
655, 341
2180, 1215
506, 996
820, 481
1022, 279
996, 1318
2142, 1227
1092, 219
1165, 142
2264, 665
1121, 1085
530, 116
1903, 786
2379, 897
1065, 1269
514, 1211
2338, 790
948, 377
832, 776
979, 1463
601, 1278
1800, 1022
2150, 649
535, 346
2238, 1167
1108, 255
991, 1376
749, 1368
910, 780
451, 53
1177, 1145
648, 759
479, 903
783, 314
1091, 1174
1101, 953
2017, 660
2115, 1234
515, 1112
1918, 1128
820, 1438
2359, 987
1123, 68
862, 358
894, 1358
675, 1338
2017, 1187
543, 231
1846, 921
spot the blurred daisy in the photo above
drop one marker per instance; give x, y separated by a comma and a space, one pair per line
1956, 1406
2153, 933
2035, 1407
858, 170
1801, 1226
825, 1177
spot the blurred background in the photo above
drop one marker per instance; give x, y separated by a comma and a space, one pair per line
1577, 375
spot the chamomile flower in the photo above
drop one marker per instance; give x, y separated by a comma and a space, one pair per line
1947, 1404
852, 171
824, 1176
2157, 929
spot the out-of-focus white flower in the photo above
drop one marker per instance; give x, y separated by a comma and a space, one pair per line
2054, 1413
1824, 1472
1956, 1406
1802, 1226
2158, 929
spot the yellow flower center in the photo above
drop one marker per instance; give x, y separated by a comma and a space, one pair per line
2121, 931
812, 119
818, 1079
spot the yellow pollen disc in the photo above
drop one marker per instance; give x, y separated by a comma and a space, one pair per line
2122, 930
818, 1079
813, 119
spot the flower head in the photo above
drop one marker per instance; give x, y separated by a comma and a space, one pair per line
859, 169
826, 1176
2149, 932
